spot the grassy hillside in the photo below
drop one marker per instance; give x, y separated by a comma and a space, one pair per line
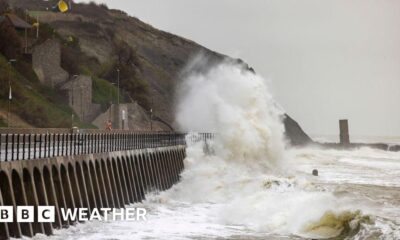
150, 60
104, 92
37, 104
97, 41
2, 123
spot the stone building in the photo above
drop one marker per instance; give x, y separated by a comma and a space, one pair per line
12, 30
15, 21
79, 93
46, 62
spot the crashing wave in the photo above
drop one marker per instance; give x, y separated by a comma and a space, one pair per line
337, 226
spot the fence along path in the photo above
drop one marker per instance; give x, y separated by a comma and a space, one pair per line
15, 146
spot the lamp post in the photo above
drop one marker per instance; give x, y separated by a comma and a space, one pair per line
151, 119
74, 77
111, 101
118, 85
82, 107
26, 32
119, 113
72, 99
10, 62
37, 27
151, 110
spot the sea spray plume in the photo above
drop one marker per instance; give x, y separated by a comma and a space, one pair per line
240, 182
233, 101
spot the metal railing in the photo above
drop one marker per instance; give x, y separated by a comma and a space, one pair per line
35, 146
200, 137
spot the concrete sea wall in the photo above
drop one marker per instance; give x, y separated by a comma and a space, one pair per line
100, 180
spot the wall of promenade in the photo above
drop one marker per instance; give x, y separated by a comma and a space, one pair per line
109, 179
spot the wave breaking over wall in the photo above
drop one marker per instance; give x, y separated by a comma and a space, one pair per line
248, 179
235, 103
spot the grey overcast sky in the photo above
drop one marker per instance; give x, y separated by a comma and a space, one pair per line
326, 59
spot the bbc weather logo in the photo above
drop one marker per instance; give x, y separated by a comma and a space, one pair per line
27, 214
47, 214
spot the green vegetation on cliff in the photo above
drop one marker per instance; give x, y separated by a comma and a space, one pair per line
97, 41
104, 92
2, 123
36, 104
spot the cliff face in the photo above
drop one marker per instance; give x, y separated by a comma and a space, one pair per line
294, 133
158, 56
110, 38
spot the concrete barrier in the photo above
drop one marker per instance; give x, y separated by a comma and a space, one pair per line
98, 180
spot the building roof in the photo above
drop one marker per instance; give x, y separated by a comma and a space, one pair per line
76, 82
17, 22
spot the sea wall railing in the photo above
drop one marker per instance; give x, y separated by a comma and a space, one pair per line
35, 146
17, 146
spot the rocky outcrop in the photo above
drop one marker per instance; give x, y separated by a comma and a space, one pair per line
294, 133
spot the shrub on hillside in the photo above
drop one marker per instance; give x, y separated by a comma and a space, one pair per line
70, 59
3, 123
24, 67
104, 92
74, 61
128, 63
